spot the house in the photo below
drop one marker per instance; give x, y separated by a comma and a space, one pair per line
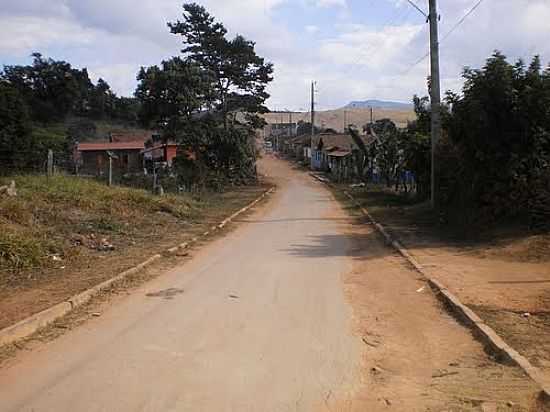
159, 152
334, 153
324, 143
93, 158
340, 164
299, 147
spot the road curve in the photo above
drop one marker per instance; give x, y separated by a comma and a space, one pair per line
256, 321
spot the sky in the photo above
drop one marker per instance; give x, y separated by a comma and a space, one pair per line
354, 49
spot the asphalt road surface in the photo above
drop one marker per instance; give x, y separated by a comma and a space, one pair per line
295, 310
250, 324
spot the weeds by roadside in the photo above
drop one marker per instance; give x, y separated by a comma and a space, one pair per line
63, 234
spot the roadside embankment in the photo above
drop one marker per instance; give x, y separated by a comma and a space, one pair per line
62, 235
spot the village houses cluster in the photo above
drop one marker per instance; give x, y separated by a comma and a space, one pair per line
330, 152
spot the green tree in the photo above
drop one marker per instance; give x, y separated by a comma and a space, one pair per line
102, 100
240, 75
15, 129
498, 139
209, 99
52, 89
177, 89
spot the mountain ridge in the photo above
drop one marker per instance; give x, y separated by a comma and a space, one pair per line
378, 104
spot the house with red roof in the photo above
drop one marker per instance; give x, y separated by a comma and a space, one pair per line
93, 158
125, 149
130, 152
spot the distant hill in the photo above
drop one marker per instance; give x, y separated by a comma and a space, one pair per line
335, 119
378, 104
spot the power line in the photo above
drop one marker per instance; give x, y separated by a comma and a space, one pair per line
417, 8
451, 31
462, 20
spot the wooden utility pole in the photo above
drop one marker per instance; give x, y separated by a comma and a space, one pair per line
312, 111
435, 91
344, 121
312, 122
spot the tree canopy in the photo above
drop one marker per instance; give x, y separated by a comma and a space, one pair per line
209, 99
53, 90
240, 76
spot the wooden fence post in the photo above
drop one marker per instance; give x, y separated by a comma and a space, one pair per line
110, 170
49, 170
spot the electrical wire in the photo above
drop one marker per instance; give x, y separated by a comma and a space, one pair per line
417, 8
451, 31
462, 20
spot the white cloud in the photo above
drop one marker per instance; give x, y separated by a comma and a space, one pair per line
353, 61
368, 47
311, 29
28, 34
122, 75
331, 3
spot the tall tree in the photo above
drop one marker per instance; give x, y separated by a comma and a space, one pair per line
241, 76
209, 99
102, 100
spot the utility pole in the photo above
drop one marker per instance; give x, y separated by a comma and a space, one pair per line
312, 111
312, 122
344, 121
435, 90
371, 115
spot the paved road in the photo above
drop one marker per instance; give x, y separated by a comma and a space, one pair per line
256, 321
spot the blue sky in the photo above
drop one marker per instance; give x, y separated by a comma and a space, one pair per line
355, 49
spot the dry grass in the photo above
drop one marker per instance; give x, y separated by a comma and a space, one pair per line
47, 214
40, 221
51, 231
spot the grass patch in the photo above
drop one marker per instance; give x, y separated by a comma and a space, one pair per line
40, 220
19, 252
68, 215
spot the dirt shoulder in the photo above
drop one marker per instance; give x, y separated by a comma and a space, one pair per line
504, 276
64, 235
417, 356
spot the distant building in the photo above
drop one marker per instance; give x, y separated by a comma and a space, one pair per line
333, 153
131, 152
93, 158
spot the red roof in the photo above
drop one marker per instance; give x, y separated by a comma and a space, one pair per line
88, 147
